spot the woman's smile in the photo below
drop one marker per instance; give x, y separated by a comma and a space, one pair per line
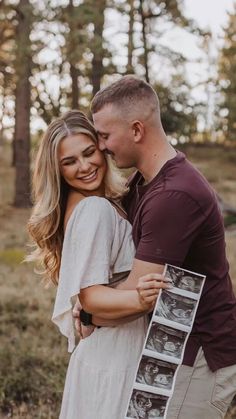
90, 177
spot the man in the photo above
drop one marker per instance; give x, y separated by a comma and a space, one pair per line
175, 220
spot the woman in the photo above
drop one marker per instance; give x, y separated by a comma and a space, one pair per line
84, 243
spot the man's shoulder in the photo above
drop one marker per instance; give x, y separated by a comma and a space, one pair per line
181, 178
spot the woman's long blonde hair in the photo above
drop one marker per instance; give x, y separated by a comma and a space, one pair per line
50, 192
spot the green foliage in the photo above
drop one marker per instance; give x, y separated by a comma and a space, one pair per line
177, 113
229, 220
227, 79
12, 256
32, 377
27, 378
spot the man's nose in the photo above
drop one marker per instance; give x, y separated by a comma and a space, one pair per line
101, 144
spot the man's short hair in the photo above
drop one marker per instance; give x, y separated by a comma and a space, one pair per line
127, 93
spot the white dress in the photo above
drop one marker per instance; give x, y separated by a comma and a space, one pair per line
97, 244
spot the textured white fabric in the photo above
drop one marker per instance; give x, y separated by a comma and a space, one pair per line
97, 244
101, 372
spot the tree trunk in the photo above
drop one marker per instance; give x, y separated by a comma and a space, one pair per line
2, 110
74, 73
22, 107
130, 68
97, 48
145, 53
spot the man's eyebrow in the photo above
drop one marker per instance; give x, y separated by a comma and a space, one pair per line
101, 133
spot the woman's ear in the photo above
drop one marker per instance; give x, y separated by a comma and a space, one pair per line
138, 130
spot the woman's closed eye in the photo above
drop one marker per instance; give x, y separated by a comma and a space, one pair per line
90, 152
68, 162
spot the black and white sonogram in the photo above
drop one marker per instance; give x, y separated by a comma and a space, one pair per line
184, 280
176, 308
144, 405
166, 340
156, 373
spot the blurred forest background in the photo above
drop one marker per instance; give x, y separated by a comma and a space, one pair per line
54, 56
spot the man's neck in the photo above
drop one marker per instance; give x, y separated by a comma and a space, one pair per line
154, 158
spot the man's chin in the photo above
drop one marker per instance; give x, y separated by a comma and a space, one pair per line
119, 164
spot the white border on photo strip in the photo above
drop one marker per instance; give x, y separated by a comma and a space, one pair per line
174, 325
152, 389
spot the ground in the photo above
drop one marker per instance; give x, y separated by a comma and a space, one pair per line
33, 355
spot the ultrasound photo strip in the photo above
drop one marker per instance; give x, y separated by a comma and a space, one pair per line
164, 345
165, 342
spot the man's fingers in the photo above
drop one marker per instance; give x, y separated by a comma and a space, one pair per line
152, 276
150, 299
153, 284
148, 293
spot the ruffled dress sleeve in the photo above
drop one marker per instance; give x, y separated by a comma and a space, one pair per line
87, 257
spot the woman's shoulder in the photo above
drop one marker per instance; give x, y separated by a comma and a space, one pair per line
91, 209
92, 204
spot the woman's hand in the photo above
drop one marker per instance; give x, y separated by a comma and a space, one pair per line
76, 314
83, 331
149, 287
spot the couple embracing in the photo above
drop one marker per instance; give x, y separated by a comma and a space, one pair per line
107, 242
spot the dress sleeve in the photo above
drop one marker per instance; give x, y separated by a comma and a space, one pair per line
168, 228
86, 258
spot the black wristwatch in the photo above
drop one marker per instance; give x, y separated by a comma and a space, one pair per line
86, 318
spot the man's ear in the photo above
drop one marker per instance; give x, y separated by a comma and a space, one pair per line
138, 130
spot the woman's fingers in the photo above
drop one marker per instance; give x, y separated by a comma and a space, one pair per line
86, 331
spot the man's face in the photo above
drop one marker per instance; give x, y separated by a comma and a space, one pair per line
115, 135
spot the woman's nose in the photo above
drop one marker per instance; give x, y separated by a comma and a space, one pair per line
83, 166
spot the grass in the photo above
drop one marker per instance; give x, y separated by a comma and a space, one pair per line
33, 355
12, 256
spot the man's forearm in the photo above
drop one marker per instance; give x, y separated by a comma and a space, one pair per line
99, 321
111, 304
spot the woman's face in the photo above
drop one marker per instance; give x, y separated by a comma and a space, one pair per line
82, 164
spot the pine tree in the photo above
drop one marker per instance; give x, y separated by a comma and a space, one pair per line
227, 79
22, 106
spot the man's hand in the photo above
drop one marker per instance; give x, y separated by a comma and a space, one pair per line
149, 287
83, 331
